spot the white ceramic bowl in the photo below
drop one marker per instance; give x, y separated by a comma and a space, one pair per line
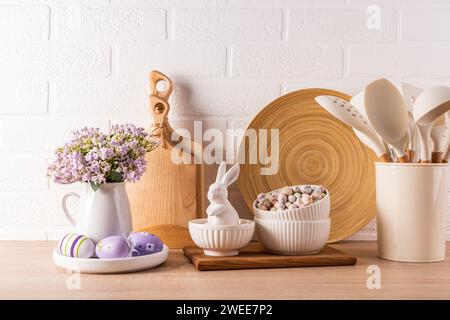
292, 237
221, 240
319, 210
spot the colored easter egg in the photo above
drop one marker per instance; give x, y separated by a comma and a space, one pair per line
113, 247
76, 246
145, 243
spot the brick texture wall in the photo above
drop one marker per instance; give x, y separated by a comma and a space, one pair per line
65, 64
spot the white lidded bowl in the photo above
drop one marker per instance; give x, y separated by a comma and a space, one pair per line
292, 237
319, 210
221, 240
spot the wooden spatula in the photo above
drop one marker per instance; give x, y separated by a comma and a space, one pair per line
169, 194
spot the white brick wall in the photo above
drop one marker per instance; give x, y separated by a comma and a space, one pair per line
399, 60
109, 25
23, 96
24, 24
65, 64
434, 30
227, 25
55, 60
182, 59
22, 171
277, 61
339, 26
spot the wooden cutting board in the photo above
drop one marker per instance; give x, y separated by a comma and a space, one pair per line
169, 194
314, 148
254, 257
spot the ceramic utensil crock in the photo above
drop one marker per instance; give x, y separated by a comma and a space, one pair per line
411, 211
102, 213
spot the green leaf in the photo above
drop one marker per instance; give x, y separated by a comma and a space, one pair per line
95, 186
114, 176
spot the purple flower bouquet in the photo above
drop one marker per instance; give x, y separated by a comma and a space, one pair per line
96, 158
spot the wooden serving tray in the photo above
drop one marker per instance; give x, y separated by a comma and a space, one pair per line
254, 257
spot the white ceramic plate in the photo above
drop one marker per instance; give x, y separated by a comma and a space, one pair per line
121, 265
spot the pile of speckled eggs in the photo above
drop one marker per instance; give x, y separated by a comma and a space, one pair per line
136, 244
290, 197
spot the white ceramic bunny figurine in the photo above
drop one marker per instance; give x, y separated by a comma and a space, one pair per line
220, 211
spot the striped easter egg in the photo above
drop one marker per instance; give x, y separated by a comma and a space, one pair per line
76, 246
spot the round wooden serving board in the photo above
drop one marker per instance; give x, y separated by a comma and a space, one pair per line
314, 148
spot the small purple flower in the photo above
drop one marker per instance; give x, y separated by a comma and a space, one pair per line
94, 157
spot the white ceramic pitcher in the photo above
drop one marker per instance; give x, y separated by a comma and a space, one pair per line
102, 213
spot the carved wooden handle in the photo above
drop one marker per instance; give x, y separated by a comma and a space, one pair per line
159, 105
159, 108
155, 77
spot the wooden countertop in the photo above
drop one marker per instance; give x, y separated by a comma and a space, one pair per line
27, 272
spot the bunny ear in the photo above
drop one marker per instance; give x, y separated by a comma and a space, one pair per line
221, 171
232, 175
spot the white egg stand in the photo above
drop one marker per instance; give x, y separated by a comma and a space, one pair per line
104, 266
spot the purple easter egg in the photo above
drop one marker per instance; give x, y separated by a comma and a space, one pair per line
145, 243
76, 246
112, 247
